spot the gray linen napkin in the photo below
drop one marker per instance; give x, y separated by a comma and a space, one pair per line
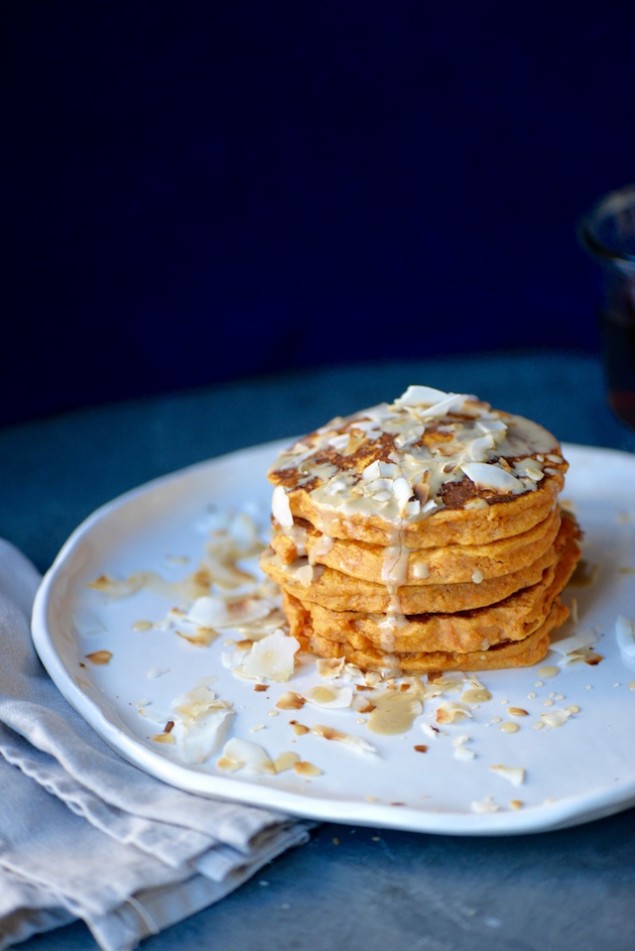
84, 834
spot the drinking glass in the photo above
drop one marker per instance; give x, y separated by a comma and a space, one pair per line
607, 232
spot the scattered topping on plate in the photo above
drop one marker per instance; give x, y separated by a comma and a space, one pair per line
224, 594
625, 633
485, 805
201, 722
243, 754
356, 743
513, 774
271, 658
100, 657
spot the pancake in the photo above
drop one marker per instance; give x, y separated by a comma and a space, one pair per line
423, 534
342, 592
398, 565
511, 619
387, 470
507, 654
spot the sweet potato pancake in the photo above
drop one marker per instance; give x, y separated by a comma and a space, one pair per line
423, 534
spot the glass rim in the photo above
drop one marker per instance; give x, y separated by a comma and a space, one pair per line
609, 206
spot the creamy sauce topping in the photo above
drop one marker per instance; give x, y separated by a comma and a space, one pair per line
396, 460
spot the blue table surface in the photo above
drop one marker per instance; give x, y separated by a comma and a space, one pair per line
350, 886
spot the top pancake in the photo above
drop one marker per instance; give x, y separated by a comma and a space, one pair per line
429, 469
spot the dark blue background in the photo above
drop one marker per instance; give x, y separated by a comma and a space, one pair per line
195, 191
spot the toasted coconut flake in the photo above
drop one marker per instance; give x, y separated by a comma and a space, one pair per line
347, 739
491, 476
304, 768
100, 658
116, 587
167, 738
286, 761
272, 658
331, 667
451, 712
299, 728
572, 642
245, 754
530, 468
290, 701
215, 612
201, 722
330, 697
201, 637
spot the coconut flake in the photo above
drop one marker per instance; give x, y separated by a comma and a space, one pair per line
497, 427
280, 508
432, 402
372, 471
513, 774
451, 712
555, 718
201, 722
490, 476
531, 468
477, 449
244, 754
330, 667
487, 804
461, 751
452, 403
420, 396
330, 697
625, 633
339, 441
213, 612
356, 743
403, 492
571, 643
272, 658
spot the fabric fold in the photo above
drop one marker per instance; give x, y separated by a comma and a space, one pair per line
85, 834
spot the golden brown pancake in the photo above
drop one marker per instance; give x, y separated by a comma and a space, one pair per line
341, 592
512, 619
482, 473
522, 653
424, 534
398, 565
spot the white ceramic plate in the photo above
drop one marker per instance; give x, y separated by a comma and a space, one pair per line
572, 773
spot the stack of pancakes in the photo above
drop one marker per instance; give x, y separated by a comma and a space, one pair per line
423, 535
